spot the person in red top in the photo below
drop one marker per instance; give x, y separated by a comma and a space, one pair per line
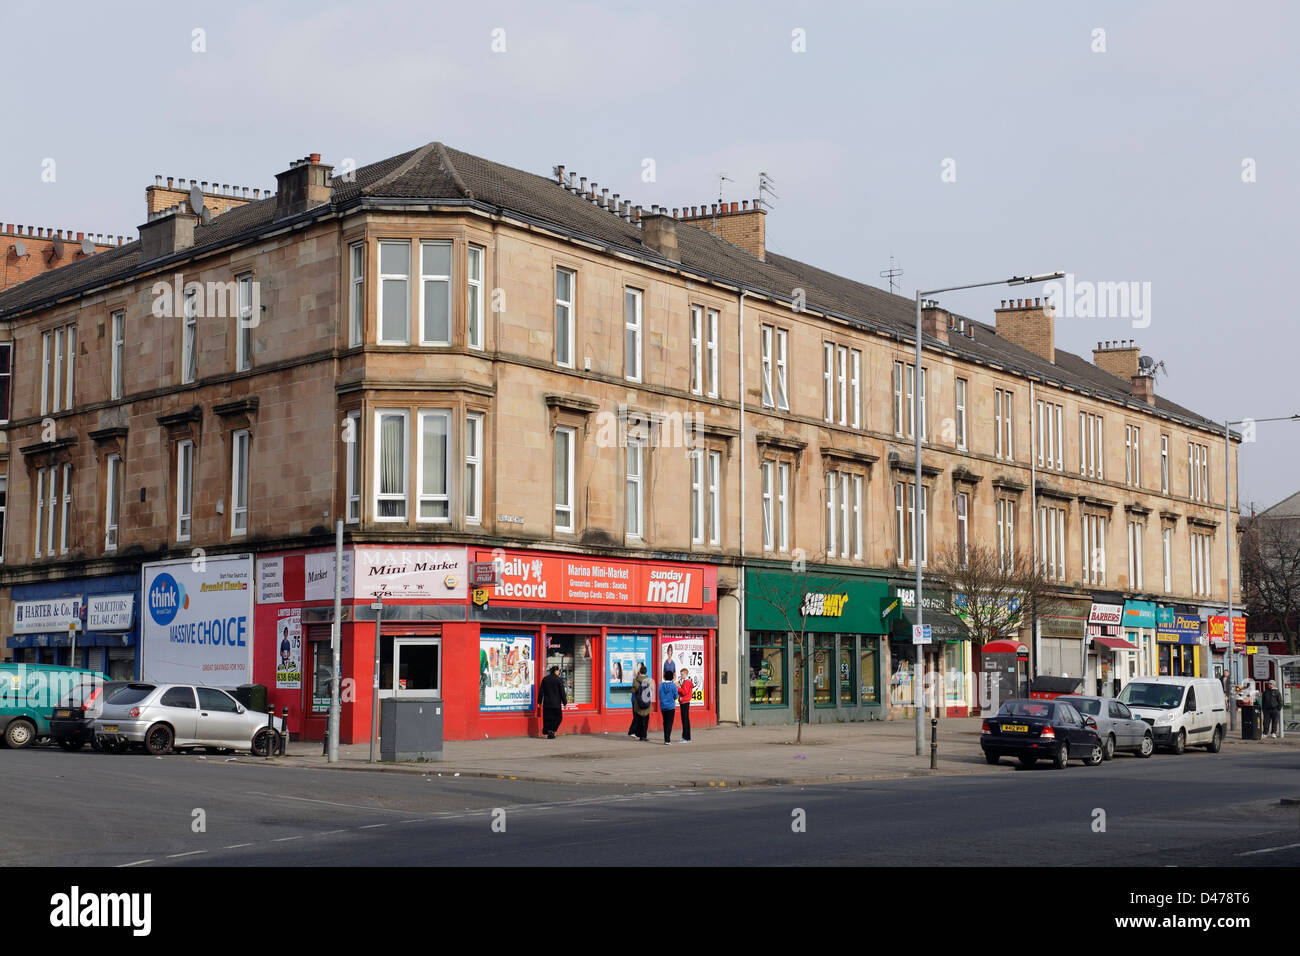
685, 688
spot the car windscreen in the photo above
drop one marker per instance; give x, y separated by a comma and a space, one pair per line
1163, 696
1025, 708
80, 694
1090, 707
131, 694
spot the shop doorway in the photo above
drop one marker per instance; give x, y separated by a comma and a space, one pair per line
316, 690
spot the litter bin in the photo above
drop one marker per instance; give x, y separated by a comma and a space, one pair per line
410, 729
1251, 726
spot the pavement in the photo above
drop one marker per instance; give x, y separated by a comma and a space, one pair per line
726, 756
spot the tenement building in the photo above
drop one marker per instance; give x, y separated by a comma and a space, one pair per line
649, 429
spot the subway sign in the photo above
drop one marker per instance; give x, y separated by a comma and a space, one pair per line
818, 604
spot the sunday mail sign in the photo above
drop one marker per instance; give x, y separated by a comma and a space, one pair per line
197, 625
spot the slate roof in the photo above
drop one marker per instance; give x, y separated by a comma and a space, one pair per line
1287, 508
439, 173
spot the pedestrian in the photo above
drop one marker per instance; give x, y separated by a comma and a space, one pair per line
685, 688
553, 700
1272, 710
643, 695
668, 704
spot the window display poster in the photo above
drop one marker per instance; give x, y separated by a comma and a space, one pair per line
686, 650
624, 653
288, 661
506, 672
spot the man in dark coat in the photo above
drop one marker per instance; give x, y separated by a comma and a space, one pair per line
1272, 701
553, 700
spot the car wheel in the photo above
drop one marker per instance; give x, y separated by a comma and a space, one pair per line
1109, 752
991, 757
1026, 760
20, 733
1180, 742
1148, 745
95, 745
261, 741
159, 739
1096, 755
1062, 756
1216, 742
70, 745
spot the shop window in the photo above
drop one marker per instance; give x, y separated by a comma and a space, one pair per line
767, 668
954, 672
900, 681
506, 674
410, 666
625, 654
823, 668
573, 655
845, 672
868, 673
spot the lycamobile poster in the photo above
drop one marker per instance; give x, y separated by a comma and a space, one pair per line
197, 621
505, 672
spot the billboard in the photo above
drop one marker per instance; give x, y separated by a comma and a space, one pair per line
196, 625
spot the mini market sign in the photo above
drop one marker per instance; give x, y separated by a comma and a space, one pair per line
780, 601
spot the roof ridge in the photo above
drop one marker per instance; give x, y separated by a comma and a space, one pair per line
415, 158
445, 158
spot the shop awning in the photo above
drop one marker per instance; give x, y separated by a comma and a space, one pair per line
1003, 647
1114, 643
943, 626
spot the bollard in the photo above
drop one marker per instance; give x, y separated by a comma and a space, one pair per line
270, 732
934, 743
284, 738
325, 744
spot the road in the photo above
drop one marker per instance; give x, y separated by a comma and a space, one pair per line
1195, 810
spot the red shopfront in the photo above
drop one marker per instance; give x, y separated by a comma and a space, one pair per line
595, 619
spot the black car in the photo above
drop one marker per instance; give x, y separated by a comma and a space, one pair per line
1033, 730
72, 723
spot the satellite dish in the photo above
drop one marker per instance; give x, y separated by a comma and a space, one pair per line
1146, 361
57, 246
87, 246
196, 198
20, 248
206, 215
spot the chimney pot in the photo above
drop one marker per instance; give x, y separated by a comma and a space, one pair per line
745, 204
315, 157
169, 182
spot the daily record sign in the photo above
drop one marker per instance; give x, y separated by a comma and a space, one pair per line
197, 625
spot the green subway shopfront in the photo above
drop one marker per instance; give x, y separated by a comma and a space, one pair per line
840, 621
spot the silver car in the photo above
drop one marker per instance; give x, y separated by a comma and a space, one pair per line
1116, 725
165, 716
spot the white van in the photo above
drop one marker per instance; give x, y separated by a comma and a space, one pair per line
1181, 710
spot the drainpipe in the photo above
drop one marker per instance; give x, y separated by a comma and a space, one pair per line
1033, 528
740, 574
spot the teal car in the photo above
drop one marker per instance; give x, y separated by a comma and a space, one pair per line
28, 695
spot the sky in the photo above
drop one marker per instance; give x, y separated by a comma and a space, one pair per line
1153, 143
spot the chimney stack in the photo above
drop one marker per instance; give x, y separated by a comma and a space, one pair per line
304, 185
1028, 323
744, 228
659, 232
935, 321
1119, 358
168, 231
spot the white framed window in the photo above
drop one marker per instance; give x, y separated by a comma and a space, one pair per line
435, 293
783, 506
1051, 542
565, 281
715, 497
1133, 455
1091, 449
433, 463
57, 397
904, 397
706, 496
4, 508
474, 297
352, 479
244, 323
697, 350
40, 511
697, 496
190, 338
47, 340
1007, 534
184, 489
901, 415
6, 382
473, 467
564, 492
1164, 464
51, 510
117, 366
963, 525
832, 516
855, 388
711, 363
632, 305
70, 366
1201, 558
1167, 546
904, 513
634, 460
769, 505
842, 380
356, 292
394, 293
240, 448
765, 336
828, 379
391, 465
112, 501
1048, 425
1004, 424
782, 399
64, 526
1093, 539
1135, 555
961, 414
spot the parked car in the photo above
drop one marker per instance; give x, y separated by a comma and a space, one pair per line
1033, 730
1180, 710
163, 717
72, 723
28, 693
1116, 725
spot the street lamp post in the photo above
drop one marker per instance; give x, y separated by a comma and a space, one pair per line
1230, 632
917, 543
378, 608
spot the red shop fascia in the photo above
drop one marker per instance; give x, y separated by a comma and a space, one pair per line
595, 618
482, 651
